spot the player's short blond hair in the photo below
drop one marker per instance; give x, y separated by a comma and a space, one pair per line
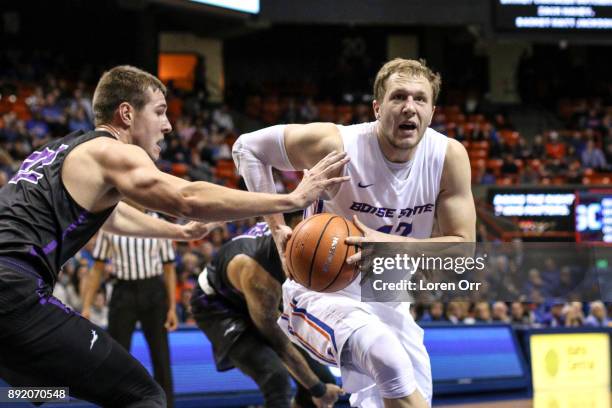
123, 83
413, 68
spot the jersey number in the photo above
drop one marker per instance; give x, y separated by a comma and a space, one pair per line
28, 170
404, 229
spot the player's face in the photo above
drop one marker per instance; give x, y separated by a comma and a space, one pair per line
151, 124
404, 114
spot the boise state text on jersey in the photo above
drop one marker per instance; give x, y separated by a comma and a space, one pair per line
390, 212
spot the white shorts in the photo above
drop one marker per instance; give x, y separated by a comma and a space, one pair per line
321, 323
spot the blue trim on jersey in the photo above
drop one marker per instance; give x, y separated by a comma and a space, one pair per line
316, 321
319, 206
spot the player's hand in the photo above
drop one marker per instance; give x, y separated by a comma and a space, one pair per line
369, 235
319, 178
194, 230
171, 320
332, 393
281, 235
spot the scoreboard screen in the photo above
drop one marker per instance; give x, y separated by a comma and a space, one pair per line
585, 212
594, 216
535, 210
555, 15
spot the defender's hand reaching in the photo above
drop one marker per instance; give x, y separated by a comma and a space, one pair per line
319, 178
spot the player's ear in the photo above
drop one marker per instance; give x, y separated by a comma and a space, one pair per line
126, 113
433, 112
376, 108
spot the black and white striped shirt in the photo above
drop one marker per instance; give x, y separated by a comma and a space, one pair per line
133, 258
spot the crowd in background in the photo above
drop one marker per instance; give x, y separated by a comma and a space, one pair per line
37, 106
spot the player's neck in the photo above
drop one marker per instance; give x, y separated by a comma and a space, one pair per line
392, 153
115, 131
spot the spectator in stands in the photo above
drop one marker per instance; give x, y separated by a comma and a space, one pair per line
206, 152
554, 148
471, 102
510, 284
185, 129
573, 315
555, 316
565, 283
54, 114
460, 134
522, 150
550, 273
80, 101
500, 312
177, 151
38, 127
65, 289
593, 120
222, 118
217, 237
455, 312
529, 175
593, 157
537, 148
183, 308
187, 270
554, 168
520, 315
79, 121
574, 173
435, 313
501, 122
577, 143
98, 313
291, 113
597, 315
308, 111
482, 312
221, 150
483, 176
509, 167
535, 283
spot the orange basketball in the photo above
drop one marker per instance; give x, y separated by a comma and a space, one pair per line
316, 253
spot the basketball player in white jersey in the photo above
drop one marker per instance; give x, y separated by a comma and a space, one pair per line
403, 176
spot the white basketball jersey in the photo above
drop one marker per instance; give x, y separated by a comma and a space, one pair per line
404, 207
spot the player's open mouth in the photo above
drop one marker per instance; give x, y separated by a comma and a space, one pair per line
408, 126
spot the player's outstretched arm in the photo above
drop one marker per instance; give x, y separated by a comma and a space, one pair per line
127, 220
263, 295
132, 173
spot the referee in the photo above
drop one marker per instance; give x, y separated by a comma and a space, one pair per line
144, 292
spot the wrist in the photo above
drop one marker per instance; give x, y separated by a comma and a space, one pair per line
318, 390
294, 202
181, 232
